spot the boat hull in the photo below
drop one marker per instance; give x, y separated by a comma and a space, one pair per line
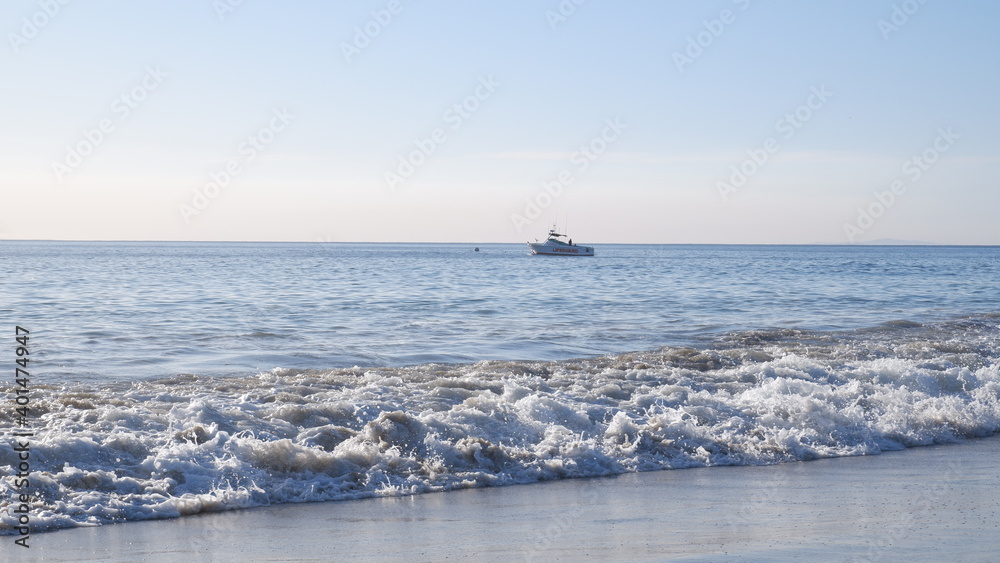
542, 249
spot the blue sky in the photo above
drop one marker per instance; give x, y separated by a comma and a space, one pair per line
266, 120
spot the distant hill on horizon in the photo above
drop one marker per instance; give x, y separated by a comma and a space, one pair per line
898, 242
885, 242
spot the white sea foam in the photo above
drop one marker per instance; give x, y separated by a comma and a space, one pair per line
188, 444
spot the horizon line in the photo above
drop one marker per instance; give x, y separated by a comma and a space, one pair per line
863, 243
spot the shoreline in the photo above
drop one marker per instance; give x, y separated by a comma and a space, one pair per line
923, 503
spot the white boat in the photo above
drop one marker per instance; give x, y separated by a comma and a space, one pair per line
559, 245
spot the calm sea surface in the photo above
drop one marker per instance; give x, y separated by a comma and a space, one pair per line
138, 310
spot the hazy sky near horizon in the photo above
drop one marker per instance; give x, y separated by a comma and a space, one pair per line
724, 121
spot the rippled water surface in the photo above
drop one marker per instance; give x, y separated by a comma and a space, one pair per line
135, 310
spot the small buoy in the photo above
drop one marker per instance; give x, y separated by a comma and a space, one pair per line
477, 249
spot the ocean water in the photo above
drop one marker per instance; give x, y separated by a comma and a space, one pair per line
177, 378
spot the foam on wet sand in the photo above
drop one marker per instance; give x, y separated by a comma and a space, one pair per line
926, 503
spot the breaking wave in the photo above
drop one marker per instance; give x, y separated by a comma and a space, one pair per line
189, 444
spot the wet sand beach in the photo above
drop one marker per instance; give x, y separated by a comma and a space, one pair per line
929, 503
